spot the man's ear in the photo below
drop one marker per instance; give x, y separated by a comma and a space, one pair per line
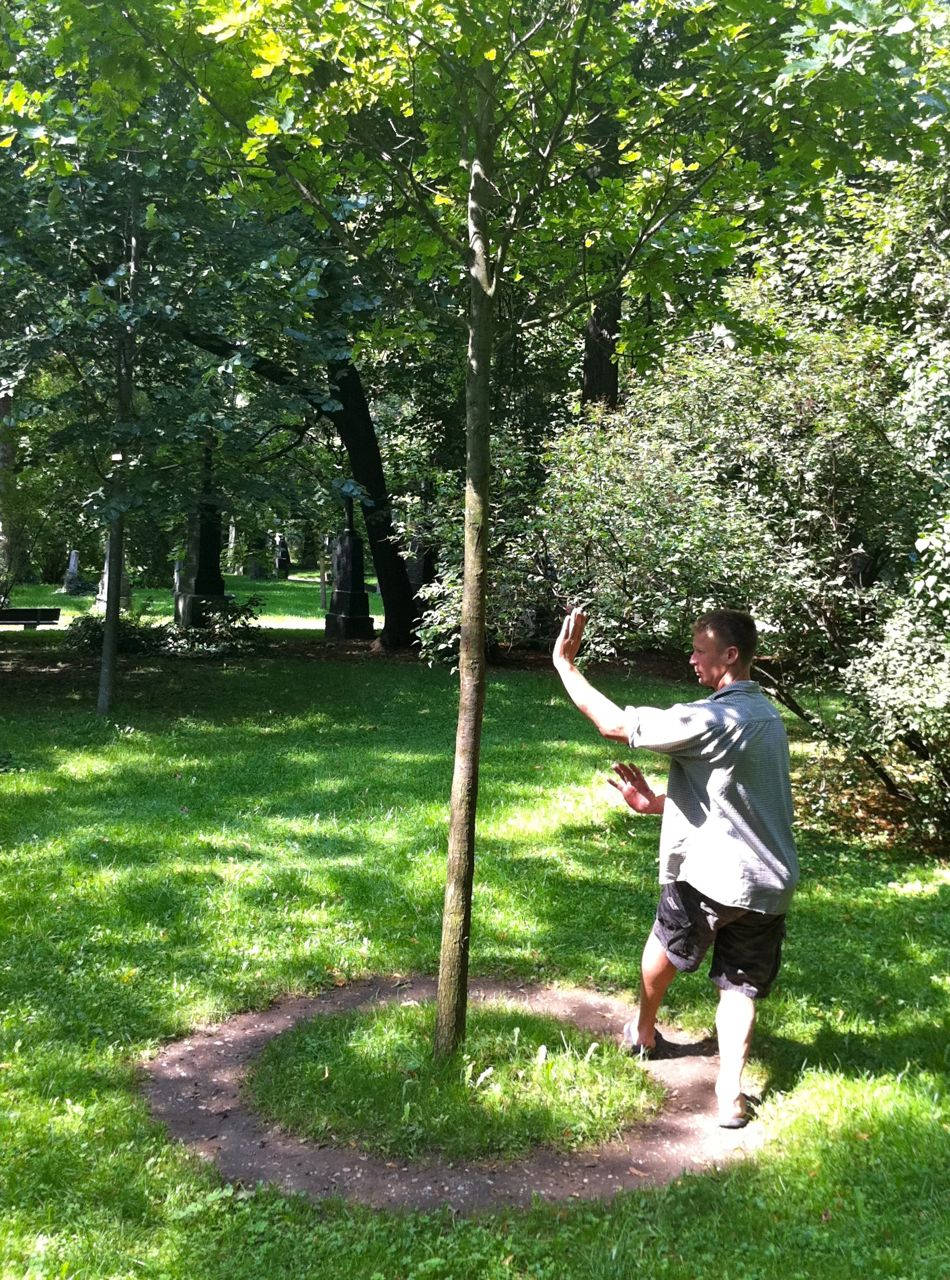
731, 656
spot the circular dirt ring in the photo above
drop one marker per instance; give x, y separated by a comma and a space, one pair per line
194, 1087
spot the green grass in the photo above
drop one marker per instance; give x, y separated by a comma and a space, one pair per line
245, 829
519, 1080
293, 603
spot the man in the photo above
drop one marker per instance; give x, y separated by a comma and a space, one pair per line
728, 866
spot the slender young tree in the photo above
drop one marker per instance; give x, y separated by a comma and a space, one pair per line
472, 131
453, 144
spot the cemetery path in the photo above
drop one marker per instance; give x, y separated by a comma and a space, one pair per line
194, 1087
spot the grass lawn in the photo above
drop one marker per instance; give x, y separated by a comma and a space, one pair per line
243, 829
292, 603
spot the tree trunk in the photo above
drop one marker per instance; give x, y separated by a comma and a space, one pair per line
208, 578
232, 546
110, 629
14, 557
600, 380
600, 377
452, 994
125, 359
354, 423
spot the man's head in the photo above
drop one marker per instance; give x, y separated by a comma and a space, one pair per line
723, 647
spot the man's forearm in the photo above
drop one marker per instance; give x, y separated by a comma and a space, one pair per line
606, 716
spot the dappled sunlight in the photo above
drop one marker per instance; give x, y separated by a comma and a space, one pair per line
289, 833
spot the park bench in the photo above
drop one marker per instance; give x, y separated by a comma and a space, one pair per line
29, 619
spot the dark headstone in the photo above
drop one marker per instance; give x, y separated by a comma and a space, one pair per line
349, 617
199, 585
282, 557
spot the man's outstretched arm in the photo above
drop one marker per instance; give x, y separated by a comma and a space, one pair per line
606, 716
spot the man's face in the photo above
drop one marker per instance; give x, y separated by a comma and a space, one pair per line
710, 658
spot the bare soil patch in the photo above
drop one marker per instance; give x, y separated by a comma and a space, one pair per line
194, 1087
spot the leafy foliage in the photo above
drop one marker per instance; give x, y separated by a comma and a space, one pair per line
228, 628
135, 635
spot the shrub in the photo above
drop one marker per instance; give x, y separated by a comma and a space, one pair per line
899, 684
228, 628
135, 635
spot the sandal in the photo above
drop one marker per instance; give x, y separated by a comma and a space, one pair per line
646, 1053
735, 1118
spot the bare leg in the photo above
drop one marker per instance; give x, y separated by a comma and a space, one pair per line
735, 1019
656, 974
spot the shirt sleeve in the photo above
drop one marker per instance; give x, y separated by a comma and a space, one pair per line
685, 729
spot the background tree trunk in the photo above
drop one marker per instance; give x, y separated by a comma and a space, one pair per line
125, 359
208, 578
110, 629
452, 994
600, 378
354, 423
14, 555
601, 375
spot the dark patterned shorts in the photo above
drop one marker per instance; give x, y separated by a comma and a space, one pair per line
746, 945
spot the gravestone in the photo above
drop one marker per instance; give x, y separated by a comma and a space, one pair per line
125, 591
199, 586
71, 579
349, 617
73, 583
282, 558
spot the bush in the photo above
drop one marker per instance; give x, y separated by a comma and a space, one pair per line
228, 628
899, 683
135, 635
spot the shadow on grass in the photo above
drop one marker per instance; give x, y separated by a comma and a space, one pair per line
263, 828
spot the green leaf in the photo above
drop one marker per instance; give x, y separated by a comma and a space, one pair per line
17, 97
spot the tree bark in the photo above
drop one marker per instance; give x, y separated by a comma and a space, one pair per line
14, 557
110, 629
125, 359
452, 993
208, 578
354, 424
601, 377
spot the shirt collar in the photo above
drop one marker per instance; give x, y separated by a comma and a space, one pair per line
737, 686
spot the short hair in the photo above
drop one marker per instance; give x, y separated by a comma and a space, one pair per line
730, 626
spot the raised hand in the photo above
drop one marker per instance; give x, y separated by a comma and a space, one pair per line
569, 640
635, 789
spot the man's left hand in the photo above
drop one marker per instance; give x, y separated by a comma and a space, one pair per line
635, 789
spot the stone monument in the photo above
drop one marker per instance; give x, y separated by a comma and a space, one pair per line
199, 585
73, 583
282, 558
349, 617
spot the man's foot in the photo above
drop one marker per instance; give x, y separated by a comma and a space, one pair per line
645, 1052
735, 1115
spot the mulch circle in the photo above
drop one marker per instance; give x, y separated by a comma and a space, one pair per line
194, 1087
